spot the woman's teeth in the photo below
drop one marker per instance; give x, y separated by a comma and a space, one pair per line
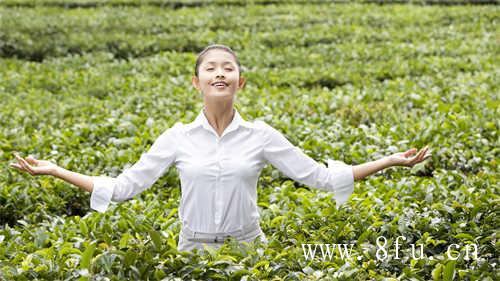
219, 85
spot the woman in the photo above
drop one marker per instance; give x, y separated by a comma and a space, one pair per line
219, 157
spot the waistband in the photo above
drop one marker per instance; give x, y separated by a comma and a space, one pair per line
219, 237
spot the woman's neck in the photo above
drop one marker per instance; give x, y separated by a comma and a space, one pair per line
219, 114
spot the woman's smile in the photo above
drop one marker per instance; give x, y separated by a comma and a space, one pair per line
220, 84
218, 75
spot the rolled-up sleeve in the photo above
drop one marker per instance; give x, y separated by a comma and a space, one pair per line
138, 177
101, 193
291, 161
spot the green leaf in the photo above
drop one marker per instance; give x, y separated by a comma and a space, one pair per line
124, 240
449, 271
87, 256
156, 237
465, 236
436, 272
83, 228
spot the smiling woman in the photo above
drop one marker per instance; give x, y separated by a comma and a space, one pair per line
219, 157
218, 77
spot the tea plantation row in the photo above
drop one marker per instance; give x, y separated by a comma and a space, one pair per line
91, 89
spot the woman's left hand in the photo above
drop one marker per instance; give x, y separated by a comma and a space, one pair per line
409, 158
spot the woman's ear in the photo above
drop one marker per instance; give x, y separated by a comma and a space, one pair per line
242, 82
196, 82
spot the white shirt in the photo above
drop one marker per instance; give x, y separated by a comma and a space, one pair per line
219, 174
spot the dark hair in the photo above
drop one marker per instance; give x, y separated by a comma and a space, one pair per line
202, 54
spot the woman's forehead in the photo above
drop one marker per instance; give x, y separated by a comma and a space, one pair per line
218, 56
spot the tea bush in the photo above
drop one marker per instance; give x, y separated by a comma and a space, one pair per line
91, 84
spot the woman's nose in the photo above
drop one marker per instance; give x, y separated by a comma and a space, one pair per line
219, 73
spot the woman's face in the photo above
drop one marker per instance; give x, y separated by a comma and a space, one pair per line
218, 75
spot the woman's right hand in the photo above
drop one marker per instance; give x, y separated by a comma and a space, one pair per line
34, 166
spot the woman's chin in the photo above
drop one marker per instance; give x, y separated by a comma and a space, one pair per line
219, 94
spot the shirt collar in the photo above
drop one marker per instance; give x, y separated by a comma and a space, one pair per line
201, 120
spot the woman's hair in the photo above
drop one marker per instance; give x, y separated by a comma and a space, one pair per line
202, 54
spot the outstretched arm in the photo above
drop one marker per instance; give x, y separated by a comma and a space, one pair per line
42, 167
338, 177
407, 158
105, 189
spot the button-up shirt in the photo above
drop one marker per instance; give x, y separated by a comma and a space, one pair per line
219, 174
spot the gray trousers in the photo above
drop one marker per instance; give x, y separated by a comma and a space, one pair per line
186, 245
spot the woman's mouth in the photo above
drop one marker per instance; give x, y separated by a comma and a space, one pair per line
220, 84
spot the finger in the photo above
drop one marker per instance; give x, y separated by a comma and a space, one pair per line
17, 166
421, 158
19, 160
408, 161
26, 168
414, 160
29, 168
420, 154
32, 160
25, 165
22, 167
418, 157
410, 152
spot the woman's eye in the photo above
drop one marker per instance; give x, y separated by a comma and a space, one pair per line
229, 69
210, 69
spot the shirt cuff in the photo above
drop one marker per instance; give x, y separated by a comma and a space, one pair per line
343, 180
101, 193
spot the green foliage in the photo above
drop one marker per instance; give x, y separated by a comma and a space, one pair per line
91, 88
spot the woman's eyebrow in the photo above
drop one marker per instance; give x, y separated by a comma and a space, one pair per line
213, 62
